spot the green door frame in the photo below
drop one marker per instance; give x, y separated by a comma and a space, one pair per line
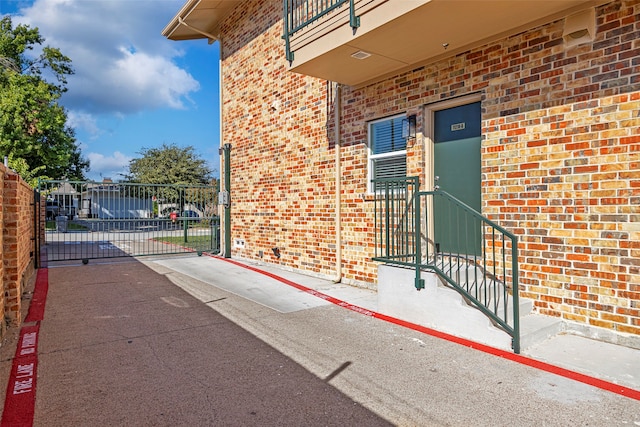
226, 151
430, 181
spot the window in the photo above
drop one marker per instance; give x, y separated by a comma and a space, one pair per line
387, 149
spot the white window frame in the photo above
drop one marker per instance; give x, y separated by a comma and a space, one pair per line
373, 157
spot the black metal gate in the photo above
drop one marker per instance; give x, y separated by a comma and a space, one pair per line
89, 220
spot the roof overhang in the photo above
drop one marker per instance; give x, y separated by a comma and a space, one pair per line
199, 19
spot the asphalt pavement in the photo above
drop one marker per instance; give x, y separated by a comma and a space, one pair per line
200, 341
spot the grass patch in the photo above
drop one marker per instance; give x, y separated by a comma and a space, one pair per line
51, 225
194, 242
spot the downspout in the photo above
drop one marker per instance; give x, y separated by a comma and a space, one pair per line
338, 197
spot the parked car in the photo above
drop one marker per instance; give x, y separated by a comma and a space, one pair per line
52, 209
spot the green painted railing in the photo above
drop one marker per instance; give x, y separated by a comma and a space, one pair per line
432, 230
299, 14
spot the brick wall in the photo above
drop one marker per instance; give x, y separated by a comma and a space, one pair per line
17, 243
569, 185
3, 298
560, 155
282, 179
560, 159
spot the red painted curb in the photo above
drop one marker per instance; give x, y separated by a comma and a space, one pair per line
36, 309
537, 364
20, 400
19, 403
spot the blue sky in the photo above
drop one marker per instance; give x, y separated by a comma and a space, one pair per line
132, 88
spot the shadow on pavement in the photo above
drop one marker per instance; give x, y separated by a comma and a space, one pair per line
121, 345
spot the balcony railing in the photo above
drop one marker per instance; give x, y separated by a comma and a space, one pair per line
474, 256
299, 14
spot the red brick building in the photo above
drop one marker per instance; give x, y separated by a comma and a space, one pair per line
554, 87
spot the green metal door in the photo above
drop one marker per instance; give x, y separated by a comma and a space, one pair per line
457, 142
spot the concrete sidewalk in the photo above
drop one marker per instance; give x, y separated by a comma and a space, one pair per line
609, 362
121, 344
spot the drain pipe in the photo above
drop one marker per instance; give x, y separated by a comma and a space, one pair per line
338, 197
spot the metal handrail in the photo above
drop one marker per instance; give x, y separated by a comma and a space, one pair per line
395, 240
299, 14
480, 261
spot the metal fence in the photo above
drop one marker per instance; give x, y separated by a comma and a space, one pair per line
89, 220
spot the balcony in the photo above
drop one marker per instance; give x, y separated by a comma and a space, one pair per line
356, 42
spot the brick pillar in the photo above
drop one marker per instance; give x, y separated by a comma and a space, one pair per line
3, 171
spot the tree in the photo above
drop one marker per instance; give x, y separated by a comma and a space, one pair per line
33, 126
22, 168
182, 167
169, 164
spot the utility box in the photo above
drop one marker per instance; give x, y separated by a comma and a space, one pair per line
223, 198
61, 223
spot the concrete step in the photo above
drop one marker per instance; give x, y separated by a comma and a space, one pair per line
435, 306
475, 280
525, 307
536, 328
441, 307
491, 292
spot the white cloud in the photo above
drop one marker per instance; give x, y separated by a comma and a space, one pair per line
112, 166
122, 63
84, 121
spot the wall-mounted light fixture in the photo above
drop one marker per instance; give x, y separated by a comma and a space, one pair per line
276, 252
580, 28
409, 127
